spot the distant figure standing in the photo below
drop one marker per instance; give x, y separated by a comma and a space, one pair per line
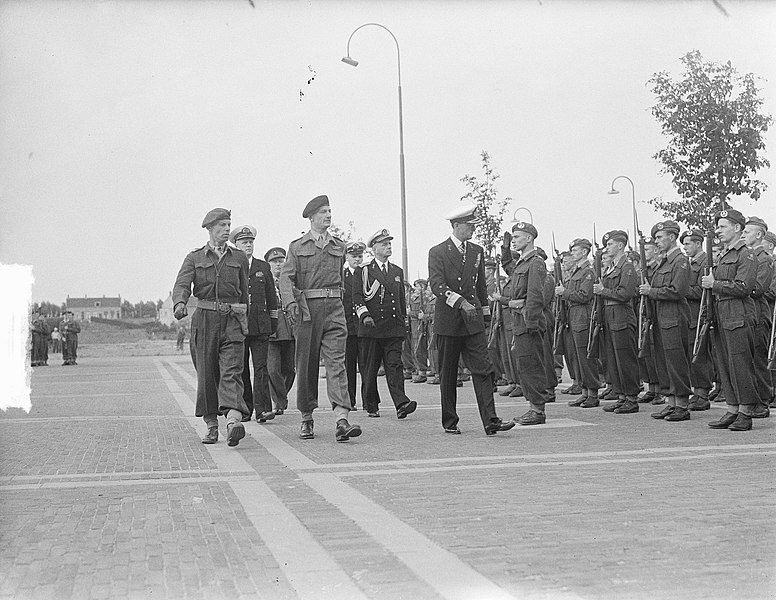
56, 341
181, 338
40, 335
70, 329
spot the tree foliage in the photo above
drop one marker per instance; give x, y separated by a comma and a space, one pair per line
715, 130
485, 196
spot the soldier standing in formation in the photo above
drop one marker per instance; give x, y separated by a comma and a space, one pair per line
419, 329
40, 337
70, 328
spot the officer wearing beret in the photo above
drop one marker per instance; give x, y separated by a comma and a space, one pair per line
618, 288
702, 370
354, 363
667, 288
578, 295
754, 236
311, 288
528, 276
456, 270
732, 281
262, 322
281, 368
378, 295
217, 275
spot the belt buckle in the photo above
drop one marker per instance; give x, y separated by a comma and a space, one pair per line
329, 292
223, 307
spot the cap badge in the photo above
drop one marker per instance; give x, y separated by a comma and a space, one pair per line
723, 214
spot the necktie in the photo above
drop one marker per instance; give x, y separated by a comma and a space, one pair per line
463, 251
385, 270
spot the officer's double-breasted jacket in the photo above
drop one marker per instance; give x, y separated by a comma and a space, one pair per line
381, 297
263, 309
349, 280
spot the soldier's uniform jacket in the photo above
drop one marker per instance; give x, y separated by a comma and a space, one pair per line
620, 284
224, 280
670, 282
349, 280
694, 290
382, 298
734, 279
284, 331
417, 305
311, 265
762, 287
453, 280
528, 279
39, 326
70, 328
263, 309
579, 296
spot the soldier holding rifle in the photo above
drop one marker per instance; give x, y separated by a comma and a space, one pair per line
731, 282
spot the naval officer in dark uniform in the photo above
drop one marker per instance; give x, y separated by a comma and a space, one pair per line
378, 295
456, 275
354, 363
217, 275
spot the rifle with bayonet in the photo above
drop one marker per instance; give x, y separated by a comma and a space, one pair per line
597, 314
772, 347
561, 313
701, 348
496, 318
646, 318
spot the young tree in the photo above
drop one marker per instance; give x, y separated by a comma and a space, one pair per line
491, 209
715, 132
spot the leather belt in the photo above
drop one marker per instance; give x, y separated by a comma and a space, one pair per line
323, 293
222, 307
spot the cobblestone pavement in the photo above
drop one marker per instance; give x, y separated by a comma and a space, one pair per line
106, 492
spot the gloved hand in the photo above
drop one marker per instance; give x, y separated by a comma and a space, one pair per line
369, 321
293, 313
180, 310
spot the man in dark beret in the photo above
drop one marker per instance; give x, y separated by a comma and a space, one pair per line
702, 369
667, 289
754, 237
618, 288
456, 275
354, 360
262, 322
311, 289
281, 367
217, 275
732, 281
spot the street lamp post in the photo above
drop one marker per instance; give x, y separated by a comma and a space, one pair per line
636, 230
354, 63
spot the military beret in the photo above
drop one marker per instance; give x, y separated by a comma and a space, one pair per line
216, 215
693, 234
490, 262
241, 233
314, 205
541, 252
581, 242
670, 226
355, 248
732, 215
466, 213
379, 236
417, 281
274, 253
525, 227
757, 221
618, 235
770, 236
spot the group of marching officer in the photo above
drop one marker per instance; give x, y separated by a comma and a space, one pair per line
671, 321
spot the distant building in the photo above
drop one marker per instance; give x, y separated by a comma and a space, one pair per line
86, 308
166, 316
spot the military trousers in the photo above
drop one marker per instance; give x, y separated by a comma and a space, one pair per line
354, 364
474, 351
672, 357
761, 337
702, 370
324, 335
586, 368
733, 348
529, 351
622, 357
70, 347
385, 351
281, 370
256, 394
419, 345
218, 353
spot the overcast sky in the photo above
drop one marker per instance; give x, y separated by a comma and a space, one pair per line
122, 123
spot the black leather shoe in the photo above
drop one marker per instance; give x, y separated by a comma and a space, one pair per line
628, 407
604, 393
699, 403
591, 402
578, 402
678, 414
496, 426
345, 431
658, 400
306, 431
453, 430
713, 394
262, 417
280, 411
742, 423
406, 409
761, 412
614, 406
662, 414
234, 433
505, 392
375, 414
517, 392
572, 389
646, 397
724, 422
532, 418
211, 437
610, 395
550, 396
